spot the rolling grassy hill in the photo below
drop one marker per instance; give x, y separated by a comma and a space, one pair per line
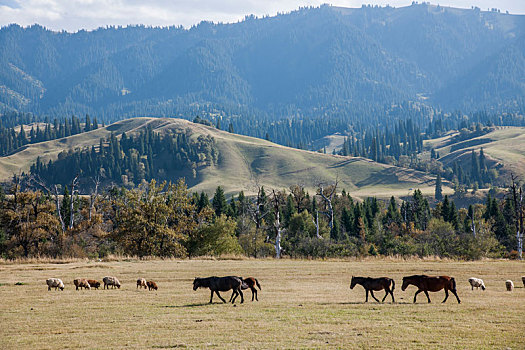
504, 148
245, 161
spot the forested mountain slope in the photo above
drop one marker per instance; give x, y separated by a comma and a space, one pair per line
344, 62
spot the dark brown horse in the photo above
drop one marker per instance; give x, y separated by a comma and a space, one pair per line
249, 282
220, 284
371, 284
427, 284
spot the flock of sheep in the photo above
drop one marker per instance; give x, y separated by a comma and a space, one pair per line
478, 283
83, 283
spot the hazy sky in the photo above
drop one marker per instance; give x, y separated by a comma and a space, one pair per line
73, 15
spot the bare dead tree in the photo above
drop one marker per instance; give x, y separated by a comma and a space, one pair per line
74, 184
16, 189
299, 196
517, 197
277, 201
327, 194
258, 211
54, 193
93, 196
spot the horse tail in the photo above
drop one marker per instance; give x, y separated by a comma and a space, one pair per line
452, 283
393, 284
257, 283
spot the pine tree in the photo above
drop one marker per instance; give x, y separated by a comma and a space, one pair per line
87, 126
475, 167
445, 209
219, 202
438, 193
392, 213
203, 202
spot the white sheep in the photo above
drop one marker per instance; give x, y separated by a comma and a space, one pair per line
54, 283
141, 282
509, 285
111, 281
476, 282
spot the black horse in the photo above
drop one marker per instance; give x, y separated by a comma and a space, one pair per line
371, 284
220, 284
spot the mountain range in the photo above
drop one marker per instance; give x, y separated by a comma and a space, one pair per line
298, 64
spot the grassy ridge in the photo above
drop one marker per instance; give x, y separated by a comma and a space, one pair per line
246, 161
504, 147
303, 304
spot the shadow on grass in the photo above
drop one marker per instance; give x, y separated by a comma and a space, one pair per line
190, 305
369, 303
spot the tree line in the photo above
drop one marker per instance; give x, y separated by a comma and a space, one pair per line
165, 219
13, 135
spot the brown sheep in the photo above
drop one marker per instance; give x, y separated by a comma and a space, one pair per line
141, 282
81, 283
152, 285
94, 283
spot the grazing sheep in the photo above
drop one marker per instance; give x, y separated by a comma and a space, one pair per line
54, 283
94, 283
111, 281
81, 283
509, 285
152, 285
141, 282
476, 282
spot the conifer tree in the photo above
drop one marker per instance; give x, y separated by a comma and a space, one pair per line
438, 193
219, 202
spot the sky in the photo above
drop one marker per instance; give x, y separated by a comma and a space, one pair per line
73, 15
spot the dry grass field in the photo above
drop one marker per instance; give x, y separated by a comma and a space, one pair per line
303, 304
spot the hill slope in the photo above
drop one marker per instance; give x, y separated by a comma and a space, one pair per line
328, 57
503, 147
245, 161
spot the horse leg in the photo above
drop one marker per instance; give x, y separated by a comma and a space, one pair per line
428, 297
373, 296
211, 297
231, 297
386, 293
366, 301
242, 295
234, 297
456, 295
415, 295
446, 295
392, 294
217, 292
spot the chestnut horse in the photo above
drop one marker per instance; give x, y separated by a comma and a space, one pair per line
220, 284
371, 284
427, 284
